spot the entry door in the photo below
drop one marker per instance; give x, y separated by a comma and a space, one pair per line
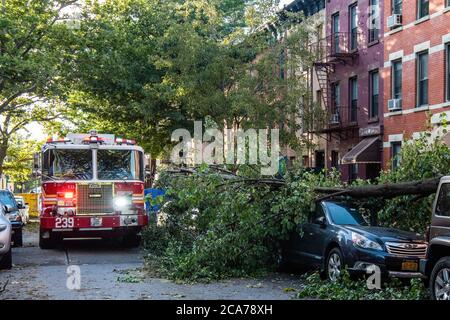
320, 160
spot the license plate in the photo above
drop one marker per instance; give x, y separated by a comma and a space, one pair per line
96, 222
410, 266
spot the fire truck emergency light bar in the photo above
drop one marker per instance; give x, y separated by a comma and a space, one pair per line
92, 137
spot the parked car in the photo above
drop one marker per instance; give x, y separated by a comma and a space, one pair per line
12, 213
338, 234
24, 209
436, 265
5, 241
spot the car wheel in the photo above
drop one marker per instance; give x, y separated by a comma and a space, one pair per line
18, 239
440, 280
47, 243
6, 260
334, 265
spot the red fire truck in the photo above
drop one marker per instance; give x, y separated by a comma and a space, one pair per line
92, 186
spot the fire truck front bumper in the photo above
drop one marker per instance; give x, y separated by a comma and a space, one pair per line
94, 225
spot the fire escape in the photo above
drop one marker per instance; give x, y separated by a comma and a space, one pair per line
336, 49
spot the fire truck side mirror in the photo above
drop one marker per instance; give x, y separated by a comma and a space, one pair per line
36, 163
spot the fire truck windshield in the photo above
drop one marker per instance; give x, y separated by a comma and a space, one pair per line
63, 164
120, 164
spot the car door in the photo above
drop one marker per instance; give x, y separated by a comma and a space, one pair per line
309, 239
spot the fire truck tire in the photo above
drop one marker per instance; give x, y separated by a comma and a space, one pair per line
47, 243
131, 240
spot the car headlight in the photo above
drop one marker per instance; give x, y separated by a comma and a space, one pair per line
14, 217
3, 227
122, 202
363, 242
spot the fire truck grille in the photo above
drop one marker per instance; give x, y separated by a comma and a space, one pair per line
94, 199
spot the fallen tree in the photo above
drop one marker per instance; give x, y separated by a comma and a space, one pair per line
386, 190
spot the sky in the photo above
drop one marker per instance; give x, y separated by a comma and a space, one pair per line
283, 2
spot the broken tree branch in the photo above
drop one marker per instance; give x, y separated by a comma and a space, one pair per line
387, 190
3, 287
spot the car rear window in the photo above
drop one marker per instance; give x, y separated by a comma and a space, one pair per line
443, 202
7, 199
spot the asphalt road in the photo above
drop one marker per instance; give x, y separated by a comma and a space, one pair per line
108, 271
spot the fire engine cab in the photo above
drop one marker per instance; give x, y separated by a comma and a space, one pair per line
92, 187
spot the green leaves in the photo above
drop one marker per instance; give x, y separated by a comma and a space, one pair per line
214, 227
350, 289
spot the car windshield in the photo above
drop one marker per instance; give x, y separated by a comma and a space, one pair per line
6, 198
64, 164
345, 214
120, 164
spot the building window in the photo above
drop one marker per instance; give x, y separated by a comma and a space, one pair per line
448, 70
374, 25
374, 93
353, 86
397, 6
335, 159
305, 161
423, 8
397, 70
353, 172
336, 94
422, 79
335, 31
395, 154
319, 97
353, 27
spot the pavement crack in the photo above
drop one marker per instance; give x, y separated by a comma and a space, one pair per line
67, 256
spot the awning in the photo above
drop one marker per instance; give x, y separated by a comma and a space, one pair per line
367, 151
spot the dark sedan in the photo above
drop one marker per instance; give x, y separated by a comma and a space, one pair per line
338, 235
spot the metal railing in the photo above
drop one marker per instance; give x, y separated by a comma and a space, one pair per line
336, 45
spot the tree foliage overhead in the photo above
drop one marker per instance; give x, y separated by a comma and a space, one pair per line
145, 68
34, 49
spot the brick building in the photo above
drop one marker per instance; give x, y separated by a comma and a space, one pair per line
351, 88
416, 71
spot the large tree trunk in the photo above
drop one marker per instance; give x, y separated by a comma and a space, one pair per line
387, 190
3, 151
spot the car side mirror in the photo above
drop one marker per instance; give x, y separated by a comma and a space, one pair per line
321, 221
20, 206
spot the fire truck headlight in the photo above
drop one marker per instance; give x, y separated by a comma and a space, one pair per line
68, 195
122, 202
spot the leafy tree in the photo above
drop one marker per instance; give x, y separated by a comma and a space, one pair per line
19, 159
33, 51
154, 66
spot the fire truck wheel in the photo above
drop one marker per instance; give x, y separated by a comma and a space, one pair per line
47, 243
131, 240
